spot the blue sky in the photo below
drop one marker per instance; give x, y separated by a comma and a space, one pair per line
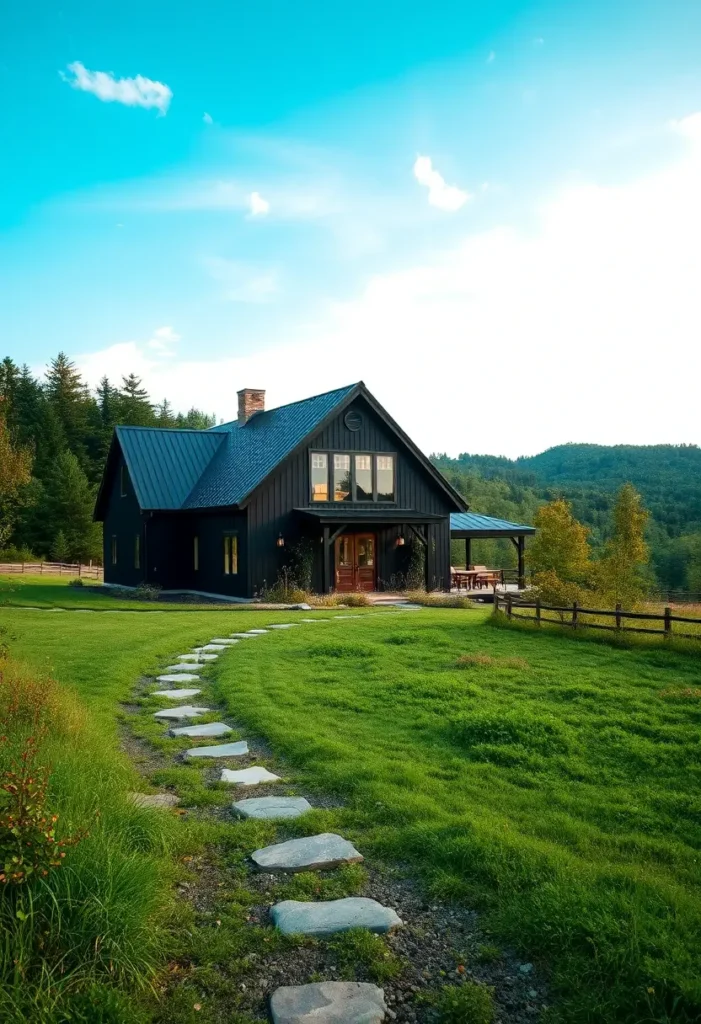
486, 210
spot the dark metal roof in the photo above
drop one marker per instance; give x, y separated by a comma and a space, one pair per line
164, 465
471, 524
375, 516
252, 451
221, 467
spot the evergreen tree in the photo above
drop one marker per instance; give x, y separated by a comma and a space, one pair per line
59, 549
135, 409
164, 414
69, 503
68, 396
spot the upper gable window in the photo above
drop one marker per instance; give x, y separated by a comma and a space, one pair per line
352, 476
320, 476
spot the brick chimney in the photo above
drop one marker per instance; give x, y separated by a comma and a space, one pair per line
251, 400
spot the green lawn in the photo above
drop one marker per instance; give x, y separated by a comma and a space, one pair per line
550, 781
559, 790
55, 592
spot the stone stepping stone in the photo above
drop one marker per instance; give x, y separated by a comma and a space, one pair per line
245, 636
227, 641
220, 750
210, 729
208, 648
312, 853
253, 776
272, 808
178, 677
197, 657
285, 625
165, 800
257, 632
293, 917
180, 667
175, 694
185, 712
328, 1002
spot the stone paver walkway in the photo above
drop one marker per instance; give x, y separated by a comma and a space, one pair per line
327, 1002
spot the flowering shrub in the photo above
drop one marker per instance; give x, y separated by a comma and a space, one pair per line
28, 843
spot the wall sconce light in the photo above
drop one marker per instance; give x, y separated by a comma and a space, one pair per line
400, 541
280, 541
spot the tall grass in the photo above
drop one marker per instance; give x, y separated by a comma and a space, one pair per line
94, 922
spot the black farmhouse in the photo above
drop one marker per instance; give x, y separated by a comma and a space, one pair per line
221, 511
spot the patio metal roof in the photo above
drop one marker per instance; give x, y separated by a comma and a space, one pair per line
472, 524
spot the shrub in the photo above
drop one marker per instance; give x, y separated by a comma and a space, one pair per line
437, 599
470, 1003
147, 592
77, 582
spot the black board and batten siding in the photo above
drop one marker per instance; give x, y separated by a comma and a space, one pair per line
123, 523
271, 509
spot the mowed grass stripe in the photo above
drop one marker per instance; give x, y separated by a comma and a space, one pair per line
552, 783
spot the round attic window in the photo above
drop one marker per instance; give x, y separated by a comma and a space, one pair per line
353, 420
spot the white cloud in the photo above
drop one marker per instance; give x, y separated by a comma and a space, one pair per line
257, 205
163, 341
491, 57
445, 197
207, 118
584, 327
132, 92
689, 127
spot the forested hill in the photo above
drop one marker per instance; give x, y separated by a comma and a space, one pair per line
667, 476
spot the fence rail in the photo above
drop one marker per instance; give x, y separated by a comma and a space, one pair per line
94, 572
569, 616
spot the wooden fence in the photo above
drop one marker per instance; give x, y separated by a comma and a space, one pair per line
94, 572
570, 616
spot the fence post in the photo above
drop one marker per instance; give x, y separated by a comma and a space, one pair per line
667, 622
574, 615
79, 569
508, 605
618, 616
537, 610
496, 601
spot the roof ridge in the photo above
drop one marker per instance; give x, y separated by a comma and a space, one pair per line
298, 401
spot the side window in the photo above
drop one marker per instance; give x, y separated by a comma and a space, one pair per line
231, 554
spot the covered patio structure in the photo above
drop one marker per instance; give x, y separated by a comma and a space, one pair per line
469, 526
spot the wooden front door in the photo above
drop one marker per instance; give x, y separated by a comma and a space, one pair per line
356, 562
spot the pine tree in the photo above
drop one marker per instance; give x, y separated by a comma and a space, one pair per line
59, 549
164, 414
135, 409
69, 503
68, 395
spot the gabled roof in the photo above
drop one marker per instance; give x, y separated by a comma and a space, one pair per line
222, 466
472, 524
252, 451
164, 465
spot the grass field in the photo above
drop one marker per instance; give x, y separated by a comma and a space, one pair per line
551, 782
554, 783
55, 592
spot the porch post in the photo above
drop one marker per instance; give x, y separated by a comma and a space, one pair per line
326, 574
521, 565
468, 553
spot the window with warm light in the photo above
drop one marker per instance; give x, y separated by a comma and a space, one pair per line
342, 478
231, 554
320, 476
352, 476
